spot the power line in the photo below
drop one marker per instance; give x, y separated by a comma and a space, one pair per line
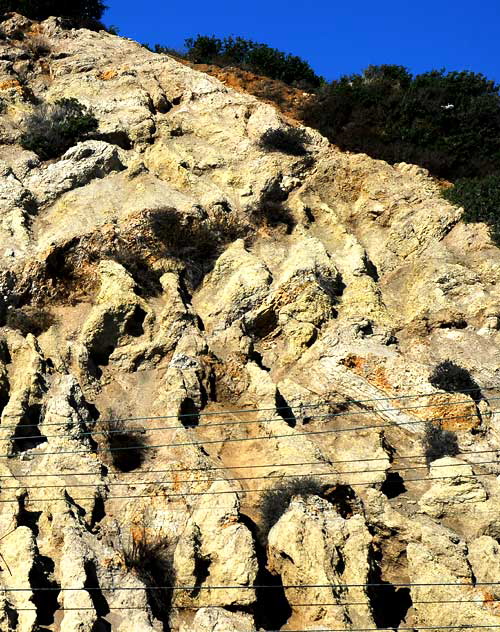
248, 478
414, 628
347, 401
190, 416
212, 493
247, 467
241, 439
245, 587
92, 433
341, 604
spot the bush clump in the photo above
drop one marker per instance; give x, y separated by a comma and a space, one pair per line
288, 140
448, 122
438, 442
275, 501
55, 127
37, 46
124, 445
29, 320
480, 199
80, 11
258, 58
150, 557
453, 378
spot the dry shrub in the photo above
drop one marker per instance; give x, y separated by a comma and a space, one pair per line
438, 443
29, 320
150, 556
275, 501
125, 447
289, 140
37, 46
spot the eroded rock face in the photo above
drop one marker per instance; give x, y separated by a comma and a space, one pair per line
188, 320
312, 545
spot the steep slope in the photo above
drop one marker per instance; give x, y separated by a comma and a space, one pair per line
253, 316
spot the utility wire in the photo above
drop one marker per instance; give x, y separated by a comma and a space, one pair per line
247, 467
246, 478
212, 493
244, 587
241, 439
342, 604
215, 425
347, 401
414, 628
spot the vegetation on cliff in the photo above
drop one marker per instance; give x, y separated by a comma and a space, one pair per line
82, 11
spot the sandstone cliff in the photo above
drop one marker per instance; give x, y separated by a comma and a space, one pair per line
252, 315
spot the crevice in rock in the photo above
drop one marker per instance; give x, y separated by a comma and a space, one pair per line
92, 581
98, 513
99, 357
459, 323
101, 625
189, 415
118, 137
199, 323
340, 564
284, 410
202, 563
212, 385
134, 325
264, 323
5, 356
4, 395
185, 294
80, 511
147, 280
45, 590
390, 604
309, 215
12, 616
371, 269
344, 499
256, 357
271, 610
393, 485
27, 435
93, 411
27, 518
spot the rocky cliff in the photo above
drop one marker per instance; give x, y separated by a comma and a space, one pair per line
252, 317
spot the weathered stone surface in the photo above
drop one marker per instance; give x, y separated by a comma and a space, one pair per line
220, 620
77, 167
172, 267
313, 545
216, 549
454, 486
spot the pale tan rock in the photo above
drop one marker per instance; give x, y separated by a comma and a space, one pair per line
372, 281
312, 545
484, 556
19, 552
440, 558
219, 620
220, 547
454, 487
77, 167
239, 282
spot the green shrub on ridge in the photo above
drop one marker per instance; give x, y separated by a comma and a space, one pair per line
480, 199
258, 58
79, 10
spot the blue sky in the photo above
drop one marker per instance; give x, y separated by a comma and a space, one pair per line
335, 37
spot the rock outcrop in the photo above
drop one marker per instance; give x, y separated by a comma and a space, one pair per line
190, 320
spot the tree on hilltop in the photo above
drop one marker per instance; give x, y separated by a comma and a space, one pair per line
81, 11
